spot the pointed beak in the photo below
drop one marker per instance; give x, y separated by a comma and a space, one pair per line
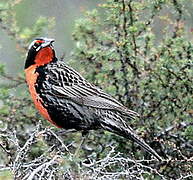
50, 40
47, 42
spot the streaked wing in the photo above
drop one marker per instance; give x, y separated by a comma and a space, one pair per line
82, 92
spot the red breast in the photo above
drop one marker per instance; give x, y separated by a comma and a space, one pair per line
44, 56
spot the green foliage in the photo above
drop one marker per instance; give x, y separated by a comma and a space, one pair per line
139, 54
6, 175
150, 73
2, 69
40, 26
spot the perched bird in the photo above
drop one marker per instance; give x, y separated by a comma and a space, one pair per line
68, 101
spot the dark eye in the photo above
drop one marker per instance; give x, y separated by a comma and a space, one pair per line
36, 44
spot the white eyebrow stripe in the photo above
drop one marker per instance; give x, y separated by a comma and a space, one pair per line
29, 47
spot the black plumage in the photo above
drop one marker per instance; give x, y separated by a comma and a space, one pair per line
67, 100
74, 103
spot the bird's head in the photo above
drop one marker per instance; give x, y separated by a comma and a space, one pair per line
40, 52
40, 43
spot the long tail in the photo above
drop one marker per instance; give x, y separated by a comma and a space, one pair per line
132, 136
128, 133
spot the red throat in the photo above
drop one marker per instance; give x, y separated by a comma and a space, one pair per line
44, 56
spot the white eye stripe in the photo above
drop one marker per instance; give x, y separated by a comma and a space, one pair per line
32, 44
37, 49
37, 44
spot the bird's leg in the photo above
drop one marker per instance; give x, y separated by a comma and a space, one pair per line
84, 136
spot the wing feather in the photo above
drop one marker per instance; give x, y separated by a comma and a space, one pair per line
71, 85
83, 97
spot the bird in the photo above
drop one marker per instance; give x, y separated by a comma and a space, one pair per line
69, 101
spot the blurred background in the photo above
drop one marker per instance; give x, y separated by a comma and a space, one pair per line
139, 51
63, 14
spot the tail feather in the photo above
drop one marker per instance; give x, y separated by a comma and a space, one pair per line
130, 134
115, 123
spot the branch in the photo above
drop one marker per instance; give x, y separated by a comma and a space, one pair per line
180, 126
39, 168
18, 80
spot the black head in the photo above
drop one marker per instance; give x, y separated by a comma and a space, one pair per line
36, 46
40, 43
